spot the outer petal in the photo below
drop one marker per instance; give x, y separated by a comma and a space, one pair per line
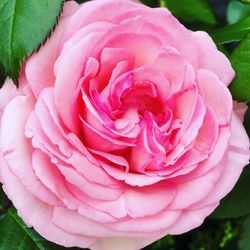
94, 11
236, 159
17, 149
39, 68
8, 91
122, 243
191, 219
212, 59
191, 192
41, 216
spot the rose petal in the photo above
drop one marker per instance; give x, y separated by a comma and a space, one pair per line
42, 213
15, 146
216, 95
191, 219
212, 59
236, 159
39, 67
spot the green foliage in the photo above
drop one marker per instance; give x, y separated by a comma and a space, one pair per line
229, 233
238, 14
191, 10
239, 24
24, 25
240, 59
237, 11
232, 33
244, 242
228, 207
15, 235
215, 235
246, 1
212, 235
167, 242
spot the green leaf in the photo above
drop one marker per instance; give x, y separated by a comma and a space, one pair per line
15, 235
191, 10
24, 25
240, 59
166, 242
244, 241
237, 11
232, 33
237, 203
246, 1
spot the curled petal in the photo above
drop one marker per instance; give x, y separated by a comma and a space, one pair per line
212, 59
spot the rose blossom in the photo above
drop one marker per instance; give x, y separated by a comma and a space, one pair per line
122, 130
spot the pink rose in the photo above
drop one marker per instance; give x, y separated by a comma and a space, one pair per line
122, 130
